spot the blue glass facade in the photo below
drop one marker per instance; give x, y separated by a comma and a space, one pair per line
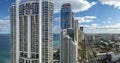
66, 16
70, 32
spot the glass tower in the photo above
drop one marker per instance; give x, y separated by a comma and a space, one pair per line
66, 16
67, 44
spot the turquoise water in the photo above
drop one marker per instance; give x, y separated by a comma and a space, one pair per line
4, 57
5, 46
56, 40
56, 43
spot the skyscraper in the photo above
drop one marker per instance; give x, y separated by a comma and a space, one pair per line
66, 16
31, 31
76, 30
73, 21
68, 45
76, 38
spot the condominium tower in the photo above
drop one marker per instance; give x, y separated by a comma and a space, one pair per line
68, 45
31, 31
66, 16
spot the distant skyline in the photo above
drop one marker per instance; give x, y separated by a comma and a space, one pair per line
97, 16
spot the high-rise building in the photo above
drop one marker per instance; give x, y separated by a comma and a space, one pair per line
68, 48
81, 50
82, 32
68, 44
76, 38
31, 31
81, 28
76, 30
66, 16
70, 32
73, 21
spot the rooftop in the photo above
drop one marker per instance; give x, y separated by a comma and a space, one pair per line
66, 4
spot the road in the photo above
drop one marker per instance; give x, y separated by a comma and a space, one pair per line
90, 56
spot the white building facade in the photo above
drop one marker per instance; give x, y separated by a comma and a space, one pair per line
68, 48
31, 31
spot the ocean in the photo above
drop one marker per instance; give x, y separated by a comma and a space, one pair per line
5, 46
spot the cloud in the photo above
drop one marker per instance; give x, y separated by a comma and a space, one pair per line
7, 18
97, 28
110, 19
77, 5
115, 3
94, 25
5, 25
4, 22
57, 19
91, 26
107, 21
86, 19
56, 30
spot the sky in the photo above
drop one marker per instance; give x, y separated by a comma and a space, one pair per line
96, 16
